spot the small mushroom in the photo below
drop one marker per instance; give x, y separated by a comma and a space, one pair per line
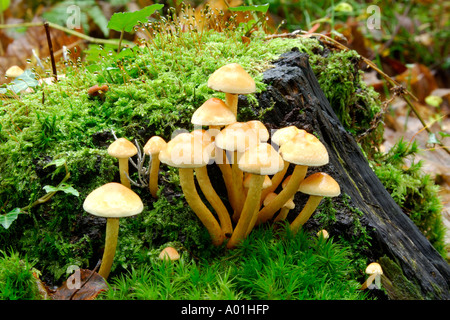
152, 148
323, 233
13, 72
112, 201
317, 185
97, 90
122, 149
215, 114
260, 160
303, 150
233, 80
186, 152
375, 271
169, 253
236, 138
278, 138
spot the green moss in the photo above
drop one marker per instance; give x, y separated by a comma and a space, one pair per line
415, 192
355, 103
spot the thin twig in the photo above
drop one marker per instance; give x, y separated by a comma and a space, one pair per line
50, 48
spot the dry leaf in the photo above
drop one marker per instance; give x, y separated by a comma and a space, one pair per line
83, 284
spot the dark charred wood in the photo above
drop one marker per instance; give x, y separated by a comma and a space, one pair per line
294, 97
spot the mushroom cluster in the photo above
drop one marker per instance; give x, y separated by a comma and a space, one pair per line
252, 167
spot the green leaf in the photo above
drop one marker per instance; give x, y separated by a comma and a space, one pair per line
7, 219
22, 82
57, 162
261, 8
66, 188
125, 21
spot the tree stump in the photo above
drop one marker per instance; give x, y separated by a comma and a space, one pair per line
413, 268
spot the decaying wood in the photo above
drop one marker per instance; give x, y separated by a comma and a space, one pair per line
294, 97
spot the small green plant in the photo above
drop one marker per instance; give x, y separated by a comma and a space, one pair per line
16, 278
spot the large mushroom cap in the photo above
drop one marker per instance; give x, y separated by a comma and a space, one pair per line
214, 112
304, 149
232, 78
262, 159
122, 148
185, 151
320, 184
237, 136
154, 145
113, 200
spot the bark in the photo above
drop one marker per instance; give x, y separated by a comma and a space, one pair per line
293, 97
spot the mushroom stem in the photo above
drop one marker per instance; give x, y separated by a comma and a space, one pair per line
193, 199
289, 191
282, 215
238, 187
226, 174
123, 169
112, 232
214, 199
231, 100
276, 180
153, 176
311, 205
252, 201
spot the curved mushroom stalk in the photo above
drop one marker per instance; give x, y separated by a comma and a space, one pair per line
277, 203
124, 169
203, 213
153, 176
310, 206
250, 208
317, 185
215, 201
112, 234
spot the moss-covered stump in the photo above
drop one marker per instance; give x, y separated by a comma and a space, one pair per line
293, 97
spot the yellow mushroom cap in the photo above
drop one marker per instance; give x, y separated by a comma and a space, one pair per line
169, 253
154, 145
262, 159
324, 233
122, 148
185, 151
373, 268
232, 78
260, 129
214, 112
14, 72
304, 149
113, 200
285, 134
237, 136
320, 184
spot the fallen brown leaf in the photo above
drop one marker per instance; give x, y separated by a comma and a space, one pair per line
83, 284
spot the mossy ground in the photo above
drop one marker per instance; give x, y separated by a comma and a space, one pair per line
153, 90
